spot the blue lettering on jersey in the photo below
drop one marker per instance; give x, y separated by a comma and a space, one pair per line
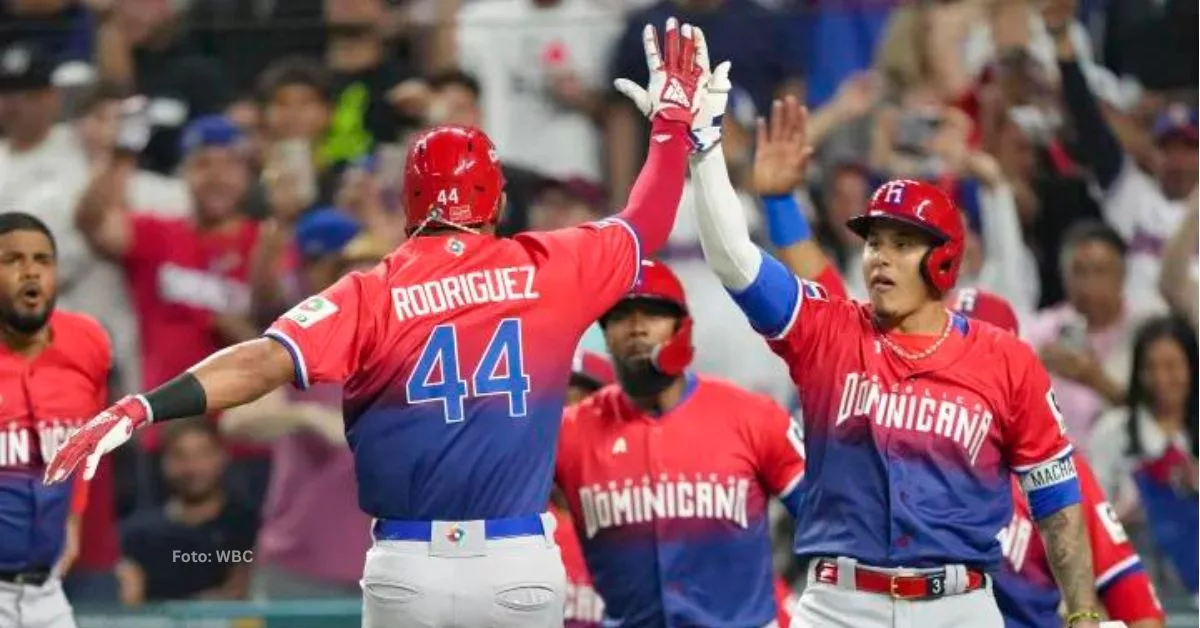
436, 378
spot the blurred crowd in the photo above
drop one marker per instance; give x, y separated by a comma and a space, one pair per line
204, 164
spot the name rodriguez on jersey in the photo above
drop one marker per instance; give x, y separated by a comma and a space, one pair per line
901, 408
628, 503
496, 285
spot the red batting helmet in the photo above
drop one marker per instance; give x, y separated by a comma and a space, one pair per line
924, 206
987, 307
657, 282
452, 177
591, 370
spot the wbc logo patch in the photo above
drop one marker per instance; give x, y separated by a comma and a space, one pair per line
311, 311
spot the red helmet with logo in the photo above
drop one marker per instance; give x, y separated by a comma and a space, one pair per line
656, 282
924, 206
452, 177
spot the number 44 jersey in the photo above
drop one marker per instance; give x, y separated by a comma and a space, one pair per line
455, 352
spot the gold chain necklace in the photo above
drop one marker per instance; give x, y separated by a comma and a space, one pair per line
920, 355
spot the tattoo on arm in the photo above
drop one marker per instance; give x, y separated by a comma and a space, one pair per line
1070, 556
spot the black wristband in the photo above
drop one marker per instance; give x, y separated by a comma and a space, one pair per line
179, 398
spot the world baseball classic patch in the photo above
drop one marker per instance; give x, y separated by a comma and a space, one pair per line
311, 311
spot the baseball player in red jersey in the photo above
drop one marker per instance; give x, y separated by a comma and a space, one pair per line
54, 369
1024, 587
454, 354
585, 609
914, 418
668, 474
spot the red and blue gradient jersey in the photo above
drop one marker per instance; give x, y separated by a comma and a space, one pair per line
671, 509
909, 462
1025, 588
42, 399
455, 352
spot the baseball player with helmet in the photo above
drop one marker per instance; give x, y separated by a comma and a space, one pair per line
54, 369
1024, 586
590, 372
455, 353
668, 474
914, 418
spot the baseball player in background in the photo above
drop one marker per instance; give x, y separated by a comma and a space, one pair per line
54, 369
1024, 586
914, 417
455, 354
668, 474
585, 609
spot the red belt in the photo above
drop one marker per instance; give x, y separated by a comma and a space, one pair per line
924, 586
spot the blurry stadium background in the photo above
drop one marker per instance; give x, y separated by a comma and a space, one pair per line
277, 130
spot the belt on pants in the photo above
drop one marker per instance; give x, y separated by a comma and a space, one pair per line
510, 527
920, 586
32, 577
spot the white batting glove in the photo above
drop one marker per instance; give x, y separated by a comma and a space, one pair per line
706, 125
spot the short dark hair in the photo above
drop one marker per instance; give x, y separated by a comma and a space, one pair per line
20, 221
295, 70
176, 430
1092, 231
98, 94
452, 78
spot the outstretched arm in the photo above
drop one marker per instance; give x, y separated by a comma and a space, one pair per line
764, 289
230, 377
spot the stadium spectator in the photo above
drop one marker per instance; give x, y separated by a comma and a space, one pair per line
194, 545
187, 275
376, 93
34, 151
1144, 452
758, 43
296, 97
1086, 342
61, 27
1178, 280
142, 45
566, 203
312, 497
542, 67
1144, 207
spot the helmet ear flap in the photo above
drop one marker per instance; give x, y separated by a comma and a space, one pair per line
673, 356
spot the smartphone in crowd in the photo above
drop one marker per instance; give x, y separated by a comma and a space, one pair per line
295, 158
914, 131
133, 125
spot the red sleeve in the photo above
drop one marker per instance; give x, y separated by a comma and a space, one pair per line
778, 447
79, 495
1033, 430
149, 237
1120, 578
654, 198
328, 334
832, 281
600, 259
103, 368
1132, 598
